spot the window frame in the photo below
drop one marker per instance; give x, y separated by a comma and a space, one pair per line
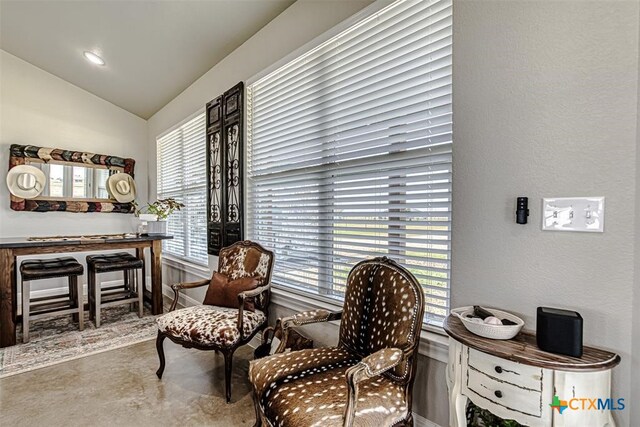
195, 264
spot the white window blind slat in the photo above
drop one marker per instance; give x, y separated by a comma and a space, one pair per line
181, 175
343, 108
395, 60
349, 154
335, 49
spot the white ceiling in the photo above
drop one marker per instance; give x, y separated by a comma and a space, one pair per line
154, 49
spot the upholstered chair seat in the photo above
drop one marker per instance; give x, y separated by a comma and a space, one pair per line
208, 325
367, 379
309, 388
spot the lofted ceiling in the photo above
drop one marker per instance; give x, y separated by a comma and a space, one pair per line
153, 49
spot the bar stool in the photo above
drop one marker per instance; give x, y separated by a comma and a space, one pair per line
71, 303
100, 296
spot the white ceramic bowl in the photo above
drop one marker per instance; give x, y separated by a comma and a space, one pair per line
494, 332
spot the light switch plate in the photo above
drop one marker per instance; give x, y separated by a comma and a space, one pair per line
573, 214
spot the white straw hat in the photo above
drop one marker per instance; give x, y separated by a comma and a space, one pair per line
25, 181
122, 187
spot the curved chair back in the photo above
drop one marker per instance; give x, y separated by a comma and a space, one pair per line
383, 307
247, 259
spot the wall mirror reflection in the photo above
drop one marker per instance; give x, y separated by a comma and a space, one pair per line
73, 181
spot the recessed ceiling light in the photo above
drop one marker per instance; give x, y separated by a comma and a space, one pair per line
92, 57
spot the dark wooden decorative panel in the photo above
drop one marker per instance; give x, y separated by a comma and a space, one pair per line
225, 153
214, 176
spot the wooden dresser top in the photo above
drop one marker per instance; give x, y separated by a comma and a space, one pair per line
523, 349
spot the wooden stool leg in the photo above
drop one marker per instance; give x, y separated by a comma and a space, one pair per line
96, 298
133, 285
26, 292
73, 296
127, 280
140, 292
79, 302
72, 291
140, 254
90, 293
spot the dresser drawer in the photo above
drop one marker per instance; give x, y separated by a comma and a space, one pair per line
509, 396
529, 377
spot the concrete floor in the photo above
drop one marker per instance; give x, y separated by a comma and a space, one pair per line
120, 388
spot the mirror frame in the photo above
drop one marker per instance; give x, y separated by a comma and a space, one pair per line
20, 155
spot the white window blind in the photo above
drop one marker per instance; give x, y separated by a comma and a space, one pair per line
349, 154
181, 175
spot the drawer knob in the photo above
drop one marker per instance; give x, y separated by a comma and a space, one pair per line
498, 394
498, 369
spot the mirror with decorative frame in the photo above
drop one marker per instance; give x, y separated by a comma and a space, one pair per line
74, 181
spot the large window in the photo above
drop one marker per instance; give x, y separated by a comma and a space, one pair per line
349, 154
181, 175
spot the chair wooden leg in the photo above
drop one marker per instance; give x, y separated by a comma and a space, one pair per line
228, 358
26, 292
160, 349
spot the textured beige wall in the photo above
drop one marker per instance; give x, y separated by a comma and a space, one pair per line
38, 108
635, 367
545, 100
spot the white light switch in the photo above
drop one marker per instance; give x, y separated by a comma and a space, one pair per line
573, 214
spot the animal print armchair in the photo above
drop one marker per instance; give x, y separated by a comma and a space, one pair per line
222, 328
367, 379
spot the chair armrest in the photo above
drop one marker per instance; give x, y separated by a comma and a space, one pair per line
303, 318
369, 367
254, 292
187, 285
307, 317
242, 296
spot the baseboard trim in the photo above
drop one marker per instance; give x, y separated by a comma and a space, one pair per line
420, 421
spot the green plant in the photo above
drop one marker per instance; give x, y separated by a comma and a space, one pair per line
478, 417
162, 208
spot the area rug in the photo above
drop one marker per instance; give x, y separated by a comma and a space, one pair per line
57, 339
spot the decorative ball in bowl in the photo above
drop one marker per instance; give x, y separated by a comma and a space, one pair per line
500, 325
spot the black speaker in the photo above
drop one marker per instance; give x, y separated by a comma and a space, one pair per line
559, 331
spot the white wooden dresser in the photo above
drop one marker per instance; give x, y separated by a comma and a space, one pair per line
514, 379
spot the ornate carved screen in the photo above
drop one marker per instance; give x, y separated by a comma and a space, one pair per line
225, 144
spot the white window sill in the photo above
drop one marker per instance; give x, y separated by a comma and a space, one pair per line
197, 270
433, 345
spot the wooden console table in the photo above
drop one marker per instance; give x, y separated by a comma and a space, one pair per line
514, 379
11, 248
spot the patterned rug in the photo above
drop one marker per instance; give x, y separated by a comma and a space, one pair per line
57, 339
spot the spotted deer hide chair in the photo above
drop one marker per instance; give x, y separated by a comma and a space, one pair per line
224, 329
367, 379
